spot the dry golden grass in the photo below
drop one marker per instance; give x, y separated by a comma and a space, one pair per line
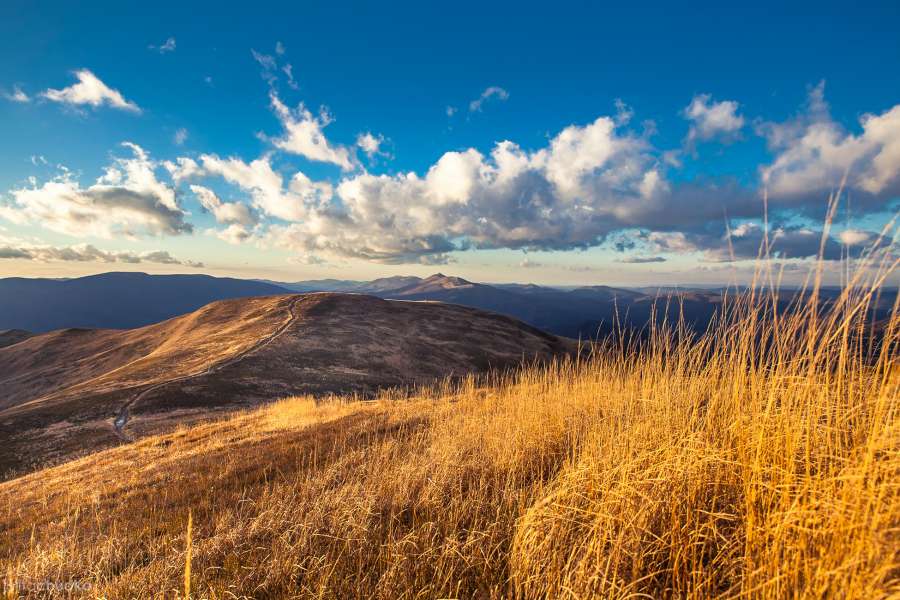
760, 460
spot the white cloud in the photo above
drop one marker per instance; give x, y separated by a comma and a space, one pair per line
450, 110
224, 212
712, 120
182, 168
90, 91
265, 185
257, 177
857, 237
370, 144
577, 152
303, 136
279, 48
492, 92
87, 253
589, 181
233, 234
180, 137
814, 154
128, 200
567, 195
17, 95
167, 46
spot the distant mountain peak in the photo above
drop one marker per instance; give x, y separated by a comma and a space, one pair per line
453, 278
439, 280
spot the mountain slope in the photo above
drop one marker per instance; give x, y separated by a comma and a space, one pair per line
65, 389
114, 300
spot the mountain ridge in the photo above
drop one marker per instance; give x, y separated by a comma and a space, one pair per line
114, 300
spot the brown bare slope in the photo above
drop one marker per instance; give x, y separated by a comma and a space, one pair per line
62, 391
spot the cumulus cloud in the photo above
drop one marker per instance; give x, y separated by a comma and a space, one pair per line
17, 95
92, 92
303, 135
589, 181
167, 46
224, 212
492, 92
265, 185
182, 168
88, 253
712, 120
127, 200
814, 154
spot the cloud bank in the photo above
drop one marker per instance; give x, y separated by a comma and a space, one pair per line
590, 184
88, 253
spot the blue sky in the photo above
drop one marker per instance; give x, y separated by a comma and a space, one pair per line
632, 132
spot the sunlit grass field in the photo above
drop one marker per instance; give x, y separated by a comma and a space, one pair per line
760, 459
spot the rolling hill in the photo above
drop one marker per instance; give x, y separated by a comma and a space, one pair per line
75, 390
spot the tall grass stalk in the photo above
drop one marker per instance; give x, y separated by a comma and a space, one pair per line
188, 549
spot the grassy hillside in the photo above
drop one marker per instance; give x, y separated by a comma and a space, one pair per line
761, 460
